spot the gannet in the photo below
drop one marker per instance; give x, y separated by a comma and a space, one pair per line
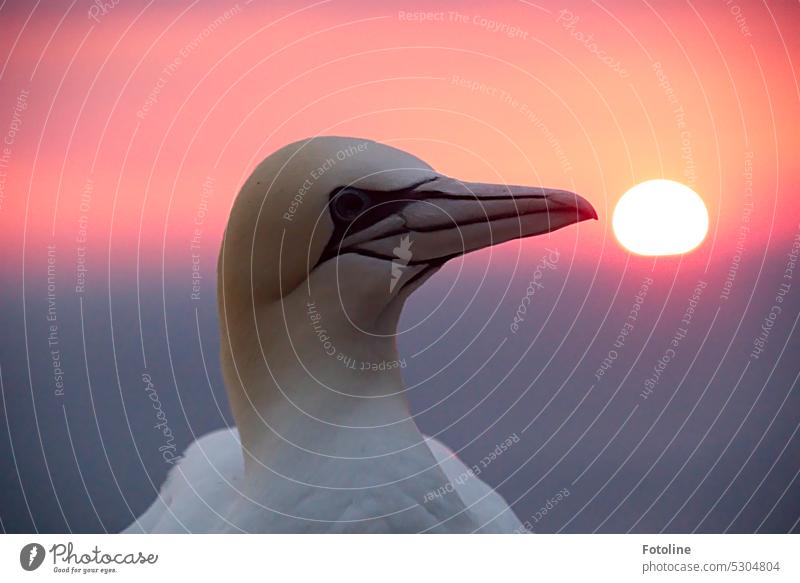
325, 242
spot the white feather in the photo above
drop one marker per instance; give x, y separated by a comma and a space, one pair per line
202, 489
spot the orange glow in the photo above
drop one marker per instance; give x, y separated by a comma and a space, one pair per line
152, 101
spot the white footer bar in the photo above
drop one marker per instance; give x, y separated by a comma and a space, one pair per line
378, 558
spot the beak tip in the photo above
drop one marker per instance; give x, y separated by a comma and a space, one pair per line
574, 203
585, 209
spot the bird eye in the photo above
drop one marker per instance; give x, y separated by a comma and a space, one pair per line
349, 203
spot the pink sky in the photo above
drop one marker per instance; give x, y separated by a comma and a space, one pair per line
503, 91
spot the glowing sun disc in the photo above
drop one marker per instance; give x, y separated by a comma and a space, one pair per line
660, 217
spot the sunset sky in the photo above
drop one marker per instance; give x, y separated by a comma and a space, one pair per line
144, 102
128, 127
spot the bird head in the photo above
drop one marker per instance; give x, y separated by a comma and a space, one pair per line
326, 240
357, 226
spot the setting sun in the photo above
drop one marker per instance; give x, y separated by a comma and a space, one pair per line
660, 217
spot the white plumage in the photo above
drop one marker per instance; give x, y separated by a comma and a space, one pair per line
310, 290
200, 490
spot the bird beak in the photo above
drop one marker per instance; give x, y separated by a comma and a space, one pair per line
443, 218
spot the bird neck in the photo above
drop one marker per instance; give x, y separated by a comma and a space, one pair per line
301, 377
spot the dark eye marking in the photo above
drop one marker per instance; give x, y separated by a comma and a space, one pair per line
348, 203
354, 209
